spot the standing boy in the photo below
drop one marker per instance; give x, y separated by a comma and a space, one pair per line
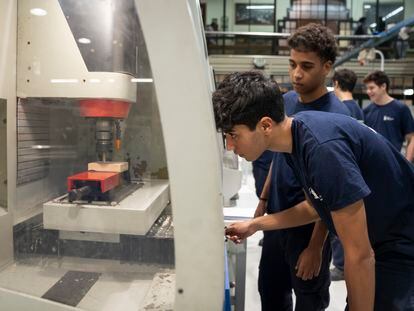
298, 258
344, 81
355, 181
388, 116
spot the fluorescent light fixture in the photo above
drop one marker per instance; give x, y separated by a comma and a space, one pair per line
94, 80
392, 13
408, 92
142, 80
330, 88
84, 40
367, 6
40, 147
38, 12
260, 7
64, 80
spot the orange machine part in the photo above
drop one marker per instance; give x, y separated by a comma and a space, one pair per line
107, 180
104, 108
118, 144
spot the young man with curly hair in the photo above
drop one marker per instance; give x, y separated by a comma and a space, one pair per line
298, 258
388, 116
340, 164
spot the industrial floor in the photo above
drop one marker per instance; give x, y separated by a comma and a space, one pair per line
101, 285
249, 200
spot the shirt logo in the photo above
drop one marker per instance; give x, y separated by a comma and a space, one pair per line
315, 195
388, 118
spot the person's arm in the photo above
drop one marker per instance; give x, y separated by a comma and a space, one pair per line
310, 260
261, 206
351, 227
410, 147
300, 214
407, 127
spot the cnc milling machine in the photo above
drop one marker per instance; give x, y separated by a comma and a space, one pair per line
101, 164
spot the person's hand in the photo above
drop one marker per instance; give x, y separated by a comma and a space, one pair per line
309, 263
260, 209
239, 231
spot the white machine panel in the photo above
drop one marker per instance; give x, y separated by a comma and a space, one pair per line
133, 215
51, 65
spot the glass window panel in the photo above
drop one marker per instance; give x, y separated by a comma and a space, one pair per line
93, 224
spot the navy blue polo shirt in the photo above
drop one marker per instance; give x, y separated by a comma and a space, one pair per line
290, 98
327, 102
264, 160
285, 190
393, 121
356, 111
339, 161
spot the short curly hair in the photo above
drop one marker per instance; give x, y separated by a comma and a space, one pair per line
315, 38
243, 98
346, 79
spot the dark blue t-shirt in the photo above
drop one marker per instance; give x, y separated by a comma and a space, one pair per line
393, 121
356, 111
290, 98
339, 161
285, 190
328, 102
264, 160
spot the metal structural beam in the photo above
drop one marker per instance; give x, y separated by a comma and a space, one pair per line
279, 35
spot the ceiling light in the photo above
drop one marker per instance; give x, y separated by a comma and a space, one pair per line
408, 92
38, 12
84, 40
395, 12
142, 80
260, 7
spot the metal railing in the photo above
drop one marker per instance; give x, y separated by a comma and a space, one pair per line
266, 43
280, 35
274, 43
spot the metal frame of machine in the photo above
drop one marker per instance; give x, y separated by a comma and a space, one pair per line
198, 228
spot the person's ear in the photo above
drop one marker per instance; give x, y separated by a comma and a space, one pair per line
265, 124
327, 66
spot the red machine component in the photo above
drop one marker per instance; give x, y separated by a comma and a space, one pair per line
107, 180
104, 108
